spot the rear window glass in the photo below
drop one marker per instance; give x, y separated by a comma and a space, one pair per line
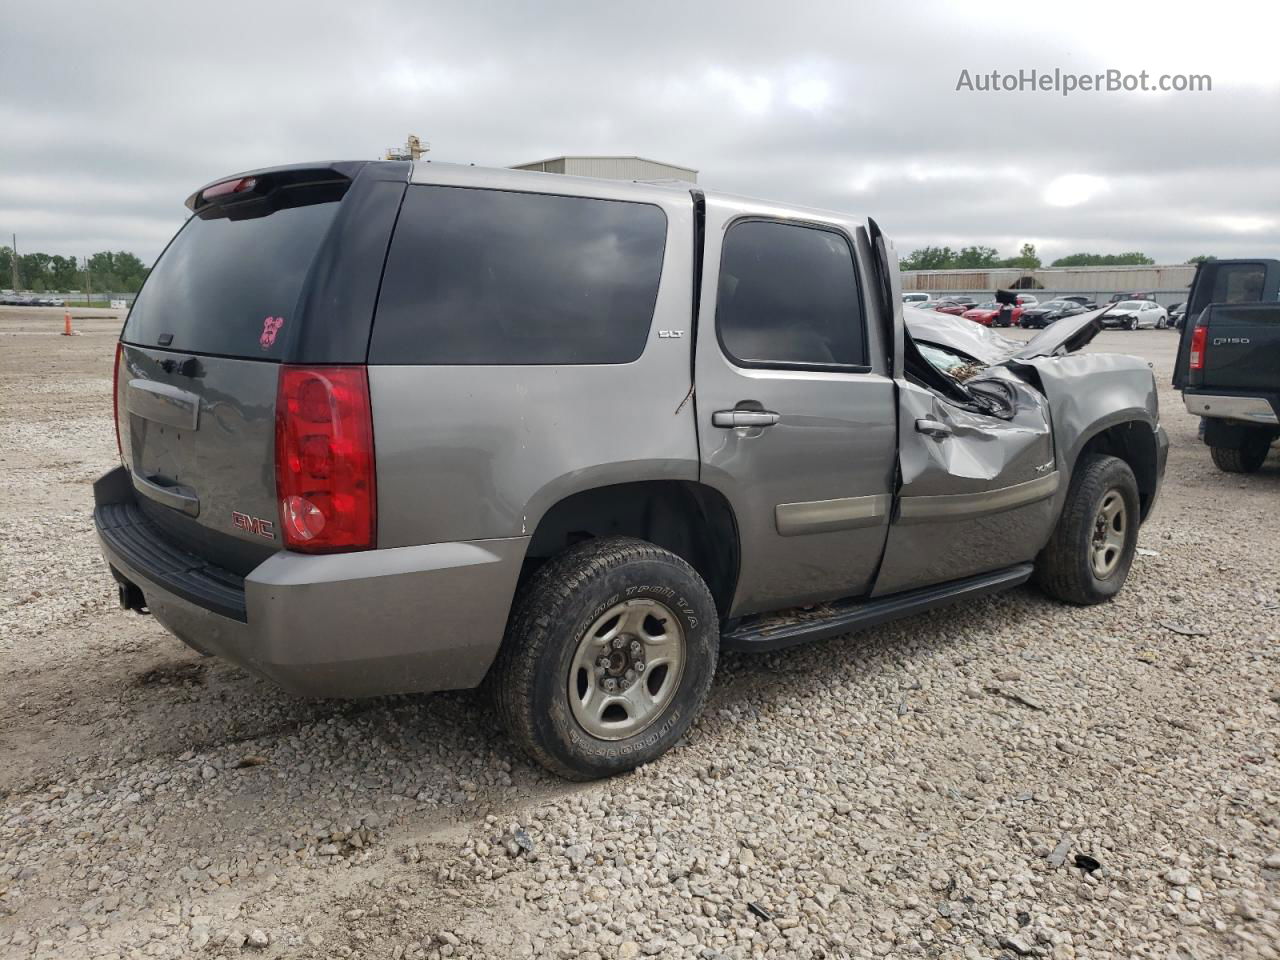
496, 277
230, 287
1241, 283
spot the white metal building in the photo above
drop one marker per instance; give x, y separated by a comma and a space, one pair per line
612, 168
1168, 284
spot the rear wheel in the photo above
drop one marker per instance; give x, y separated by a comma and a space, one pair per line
1088, 557
609, 655
1246, 458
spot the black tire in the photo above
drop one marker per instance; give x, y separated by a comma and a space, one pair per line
1131, 324
1064, 569
529, 682
1248, 458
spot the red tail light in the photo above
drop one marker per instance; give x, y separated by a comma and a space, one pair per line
1198, 338
115, 398
325, 478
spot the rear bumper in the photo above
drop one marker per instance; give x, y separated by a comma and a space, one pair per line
409, 619
1258, 409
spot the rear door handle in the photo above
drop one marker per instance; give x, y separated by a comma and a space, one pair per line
176, 497
933, 428
744, 418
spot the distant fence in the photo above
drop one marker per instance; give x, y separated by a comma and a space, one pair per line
80, 297
1166, 298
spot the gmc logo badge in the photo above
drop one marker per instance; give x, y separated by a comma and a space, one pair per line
254, 525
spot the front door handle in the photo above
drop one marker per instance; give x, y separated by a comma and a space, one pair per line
744, 418
933, 428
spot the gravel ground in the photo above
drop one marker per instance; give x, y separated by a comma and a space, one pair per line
1004, 779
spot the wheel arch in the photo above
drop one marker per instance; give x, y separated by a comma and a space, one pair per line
692, 520
1133, 441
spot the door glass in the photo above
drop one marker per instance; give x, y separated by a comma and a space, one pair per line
789, 296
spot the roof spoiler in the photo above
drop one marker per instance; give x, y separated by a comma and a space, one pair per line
257, 193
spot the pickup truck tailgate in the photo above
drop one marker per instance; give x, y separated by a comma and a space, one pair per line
1242, 347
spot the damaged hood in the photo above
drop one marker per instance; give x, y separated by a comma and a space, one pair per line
965, 336
1065, 336
985, 345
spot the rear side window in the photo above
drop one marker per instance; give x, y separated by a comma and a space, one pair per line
230, 287
788, 296
497, 277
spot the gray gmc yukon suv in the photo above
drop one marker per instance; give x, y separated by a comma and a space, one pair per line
389, 427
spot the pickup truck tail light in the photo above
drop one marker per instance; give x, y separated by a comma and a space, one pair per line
325, 474
115, 398
1199, 340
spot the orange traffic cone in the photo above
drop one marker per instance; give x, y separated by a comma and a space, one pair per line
66, 324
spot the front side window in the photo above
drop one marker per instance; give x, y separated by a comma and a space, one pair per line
498, 277
788, 296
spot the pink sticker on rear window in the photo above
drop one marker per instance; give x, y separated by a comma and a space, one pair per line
270, 327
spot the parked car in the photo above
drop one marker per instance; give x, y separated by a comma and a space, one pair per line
953, 307
1051, 311
1228, 363
916, 297
994, 314
1027, 299
1135, 314
1177, 312
409, 427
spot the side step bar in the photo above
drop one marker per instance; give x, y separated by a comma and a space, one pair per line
786, 628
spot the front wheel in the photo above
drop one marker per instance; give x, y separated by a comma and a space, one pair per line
610, 651
1088, 557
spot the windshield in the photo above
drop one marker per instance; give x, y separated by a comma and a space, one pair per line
1059, 304
946, 360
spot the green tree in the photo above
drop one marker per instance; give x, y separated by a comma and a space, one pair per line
34, 268
929, 258
63, 274
110, 272
1103, 260
116, 272
976, 258
1201, 258
1026, 259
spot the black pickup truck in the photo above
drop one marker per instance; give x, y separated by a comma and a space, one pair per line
1228, 364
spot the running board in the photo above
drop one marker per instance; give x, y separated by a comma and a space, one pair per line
786, 628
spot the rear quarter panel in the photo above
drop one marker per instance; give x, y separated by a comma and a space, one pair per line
478, 452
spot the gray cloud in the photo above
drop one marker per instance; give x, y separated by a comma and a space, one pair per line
111, 114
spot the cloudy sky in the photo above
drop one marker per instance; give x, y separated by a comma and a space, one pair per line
110, 114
